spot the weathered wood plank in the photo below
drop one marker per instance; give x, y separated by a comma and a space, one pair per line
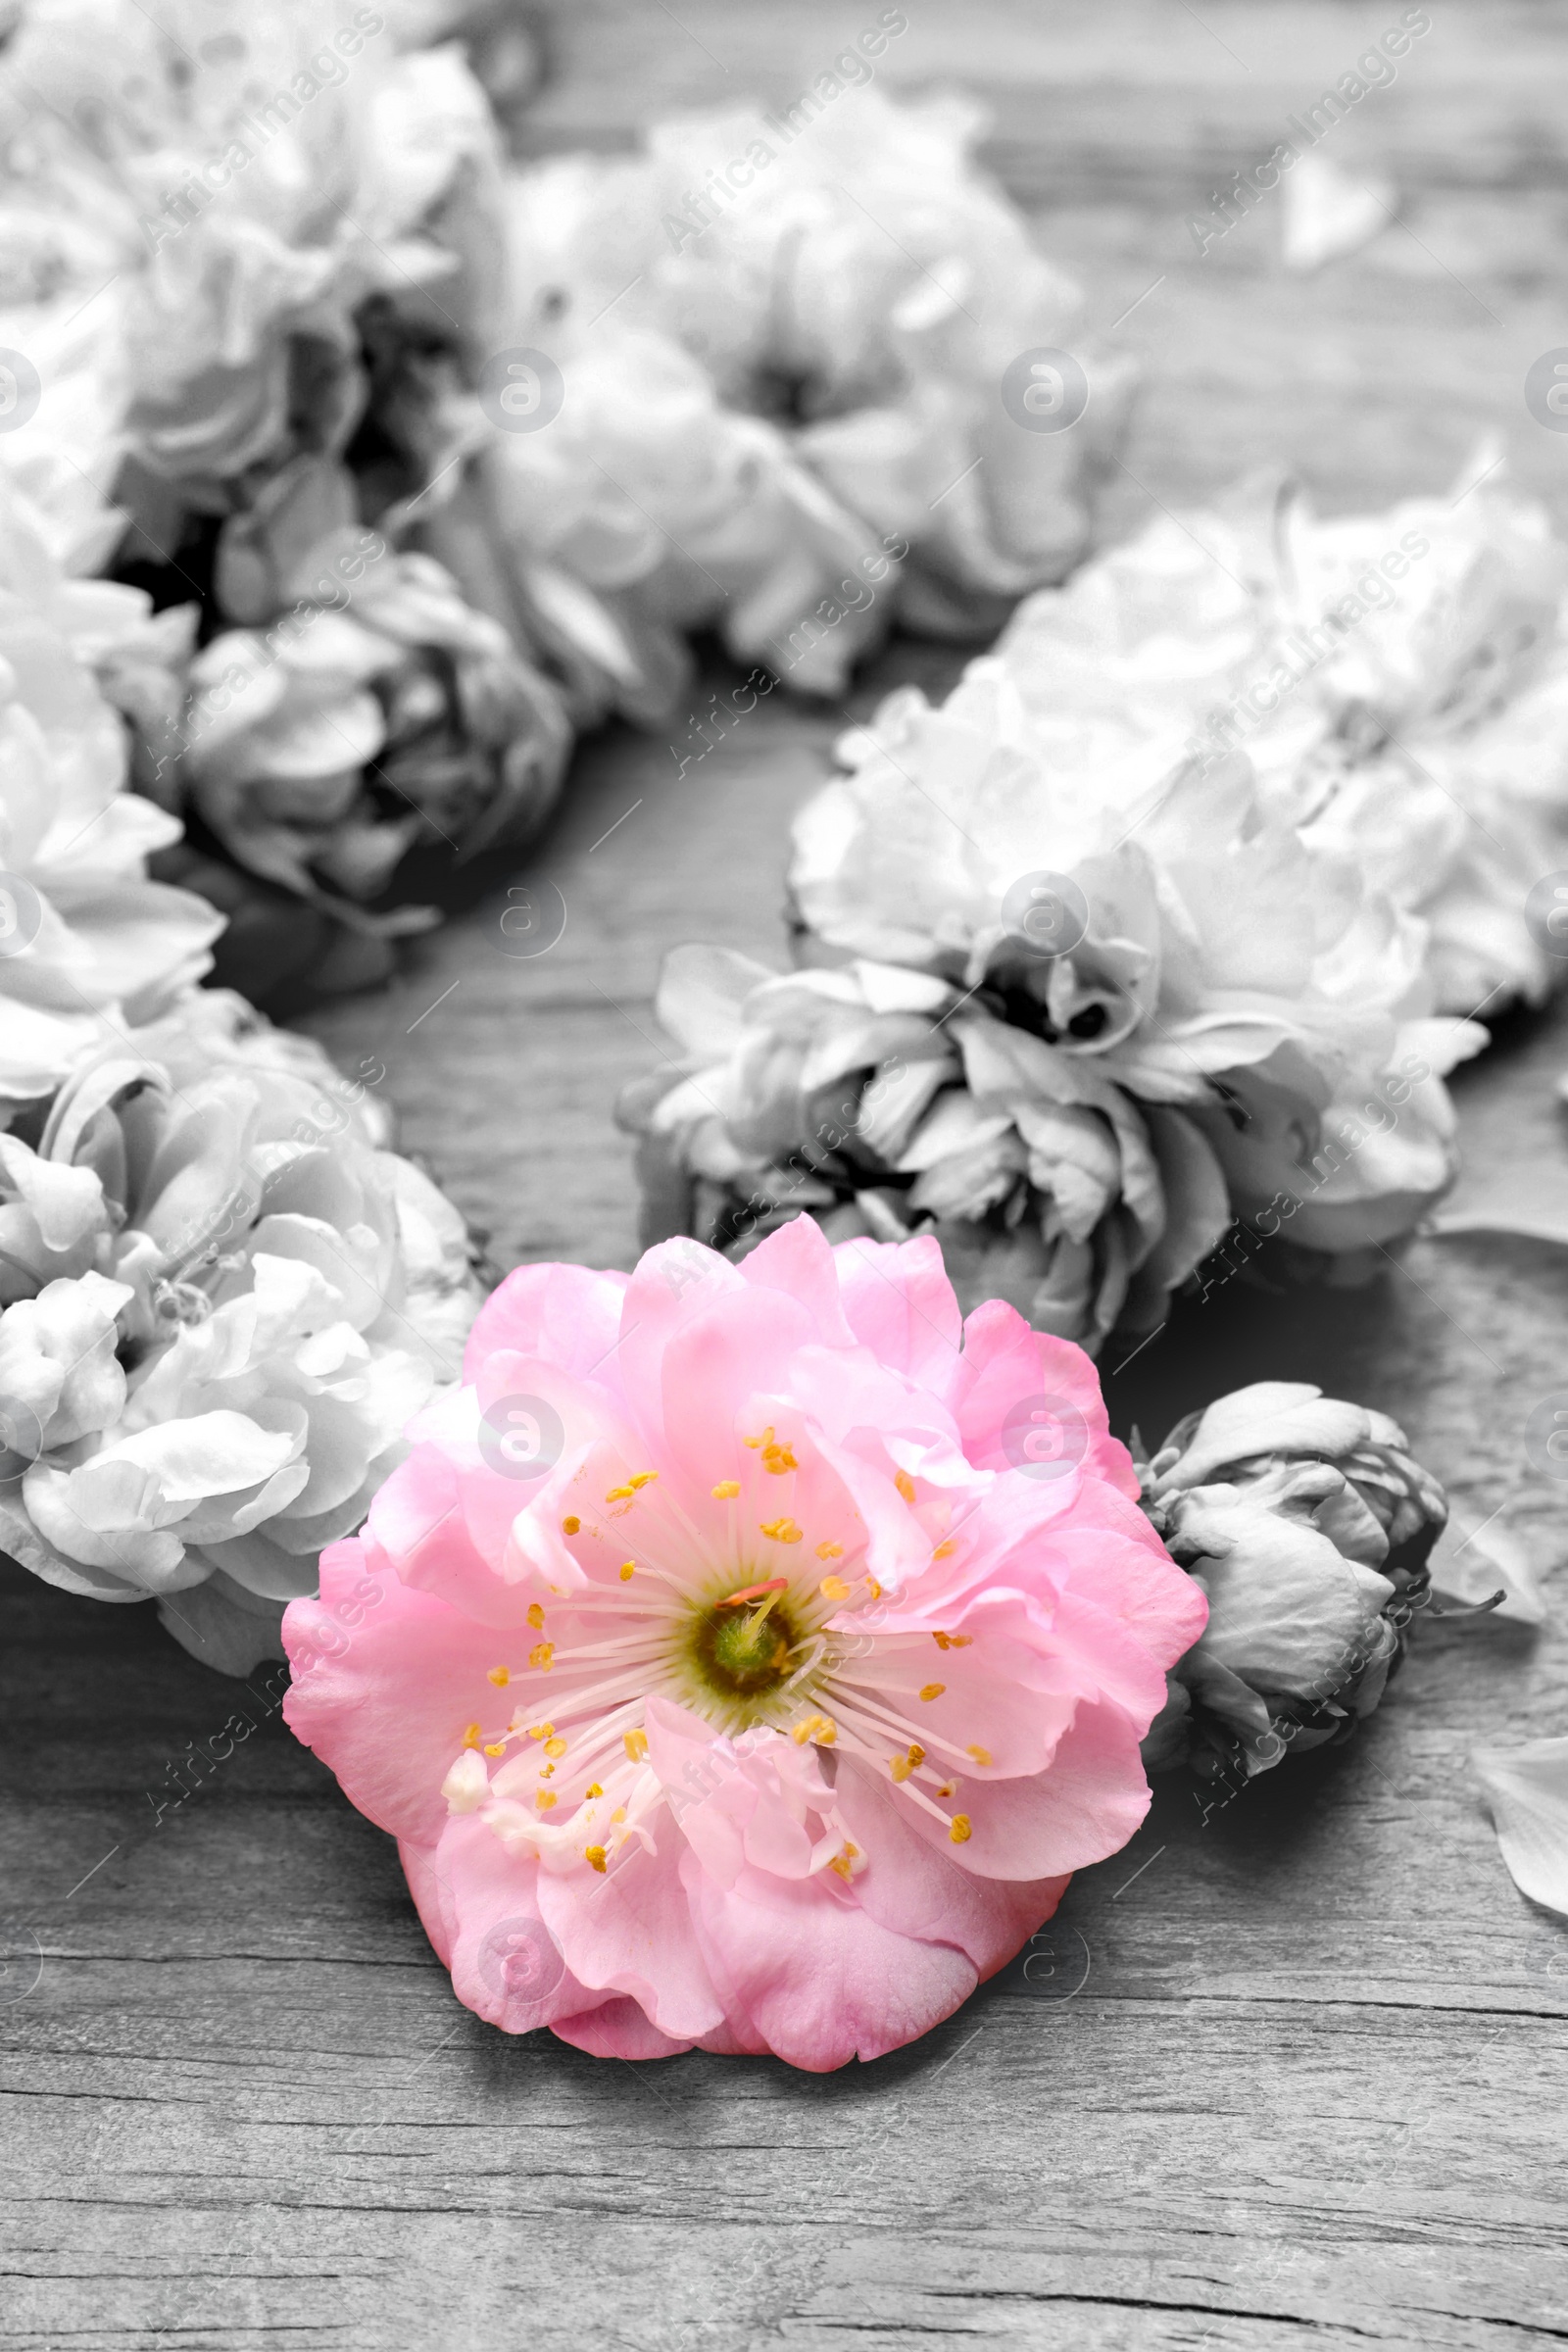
1290, 2072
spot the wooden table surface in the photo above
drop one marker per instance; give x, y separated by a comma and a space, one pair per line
1287, 2072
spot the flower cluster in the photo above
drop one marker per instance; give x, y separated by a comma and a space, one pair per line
1309, 1525
1398, 681
220, 1301
1075, 1000
787, 341
745, 1657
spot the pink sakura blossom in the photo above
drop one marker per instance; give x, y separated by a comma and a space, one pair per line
745, 1655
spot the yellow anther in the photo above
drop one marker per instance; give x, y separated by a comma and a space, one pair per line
873, 1588
536, 1615
932, 1689
904, 1484
980, 1755
949, 1788
547, 1772
470, 1737
766, 1438
495, 1748
833, 1588
816, 1727
916, 1755
620, 1495
727, 1490
501, 1675
569, 1527
952, 1640
900, 1767
636, 1745
556, 1746
619, 1814
641, 1478
781, 1531
628, 1569
596, 1856
830, 1551
958, 1829
827, 1730
841, 1863
542, 1655
778, 1459
544, 1798
945, 1552
540, 1731
593, 1789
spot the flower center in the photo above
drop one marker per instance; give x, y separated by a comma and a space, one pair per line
742, 1651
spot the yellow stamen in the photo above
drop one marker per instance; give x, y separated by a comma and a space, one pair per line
628, 1569
873, 1588
727, 1490
980, 1755
816, 1727
569, 1527
780, 1531
470, 1737
620, 1494
544, 1798
952, 1640
496, 1747
766, 1438
541, 1730
593, 1789
547, 1772
833, 1588
900, 1767
542, 1655
778, 1459
619, 1814
557, 1747
636, 1745
830, 1551
933, 1690
641, 1478
536, 1615
905, 1485
916, 1755
948, 1788
945, 1552
501, 1675
596, 1856
842, 1862
960, 1831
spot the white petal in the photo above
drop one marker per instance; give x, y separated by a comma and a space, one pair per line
1527, 1790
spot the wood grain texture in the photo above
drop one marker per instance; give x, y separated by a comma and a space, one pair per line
1287, 2072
